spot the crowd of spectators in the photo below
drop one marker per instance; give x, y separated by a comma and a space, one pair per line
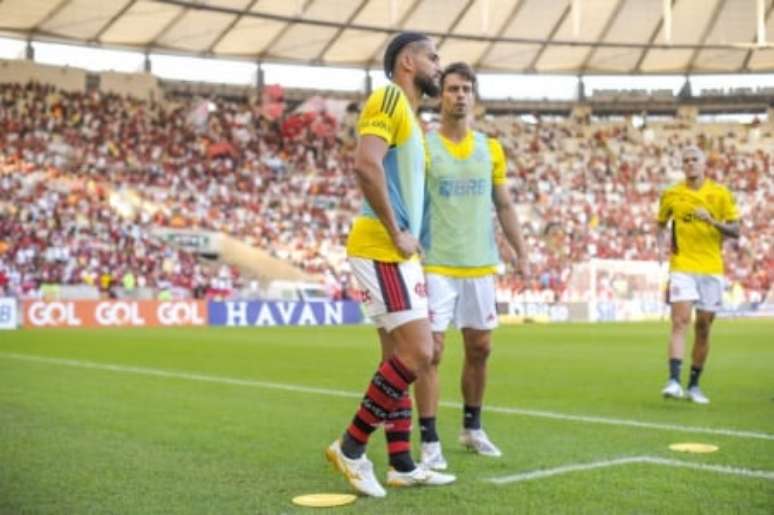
59, 232
59, 160
592, 191
286, 185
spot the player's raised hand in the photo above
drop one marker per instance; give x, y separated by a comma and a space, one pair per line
407, 244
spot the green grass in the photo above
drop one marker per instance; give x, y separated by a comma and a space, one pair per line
77, 439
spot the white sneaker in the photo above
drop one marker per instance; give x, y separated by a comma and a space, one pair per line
420, 476
359, 472
432, 456
476, 440
672, 390
694, 394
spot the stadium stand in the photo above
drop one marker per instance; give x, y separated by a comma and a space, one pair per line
593, 191
285, 186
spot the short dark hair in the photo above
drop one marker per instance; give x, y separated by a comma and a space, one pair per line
463, 70
396, 45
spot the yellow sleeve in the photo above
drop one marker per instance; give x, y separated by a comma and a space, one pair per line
730, 209
383, 115
498, 162
664, 208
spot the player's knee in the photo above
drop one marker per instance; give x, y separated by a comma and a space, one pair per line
702, 327
479, 350
423, 356
484, 350
680, 322
424, 362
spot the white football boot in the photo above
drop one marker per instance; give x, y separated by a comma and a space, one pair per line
694, 394
420, 476
476, 440
432, 456
359, 472
672, 390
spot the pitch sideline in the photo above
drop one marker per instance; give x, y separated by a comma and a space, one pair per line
173, 374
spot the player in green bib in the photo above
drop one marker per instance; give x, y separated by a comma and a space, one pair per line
465, 186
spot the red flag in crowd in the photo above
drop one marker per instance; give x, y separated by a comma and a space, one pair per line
273, 101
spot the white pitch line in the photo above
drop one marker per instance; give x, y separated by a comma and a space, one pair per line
626, 422
721, 469
566, 469
174, 374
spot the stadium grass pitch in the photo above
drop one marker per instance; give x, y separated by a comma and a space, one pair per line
219, 420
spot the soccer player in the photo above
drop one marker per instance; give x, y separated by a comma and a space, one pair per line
702, 213
465, 184
383, 250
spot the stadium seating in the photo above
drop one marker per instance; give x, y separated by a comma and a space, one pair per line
584, 190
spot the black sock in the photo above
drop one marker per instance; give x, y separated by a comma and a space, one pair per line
674, 369
427, 429
472, 417
350, 447
694, 380
402, 462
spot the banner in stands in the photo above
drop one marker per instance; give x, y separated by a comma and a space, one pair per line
274, 313
90, 313
8, 317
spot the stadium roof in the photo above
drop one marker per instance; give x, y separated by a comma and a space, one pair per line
532, 36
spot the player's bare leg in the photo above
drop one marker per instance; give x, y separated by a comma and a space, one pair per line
427, 393
386, 343
681, 321
426, 388
700, 351
478, 346
701, 345
413, 345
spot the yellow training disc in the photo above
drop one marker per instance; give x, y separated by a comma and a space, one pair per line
324, 500
693, 447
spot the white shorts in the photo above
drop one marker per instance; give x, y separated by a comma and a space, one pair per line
467, 302
393, 293
706, 291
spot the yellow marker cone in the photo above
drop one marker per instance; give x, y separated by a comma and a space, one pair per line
699, 448
324, 500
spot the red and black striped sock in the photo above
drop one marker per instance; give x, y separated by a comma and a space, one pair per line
398, 432
383, 396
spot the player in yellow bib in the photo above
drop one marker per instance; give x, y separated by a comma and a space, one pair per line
702, 213
382, 248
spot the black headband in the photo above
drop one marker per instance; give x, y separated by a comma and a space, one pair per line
396, 45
